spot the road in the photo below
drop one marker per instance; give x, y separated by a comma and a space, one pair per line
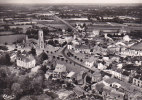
65, 22
63, 53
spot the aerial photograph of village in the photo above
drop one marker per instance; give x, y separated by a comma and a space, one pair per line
70, 50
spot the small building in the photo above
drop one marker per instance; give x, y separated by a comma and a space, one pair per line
13, 57
111, 94
70, 76
60, 69
78, 91
126, 38
35, 69
134, 50
90, 62
115, 85
82, 49
94, 33
81, 78
115, 74
137, 80
25, 61
96, 76
101, 66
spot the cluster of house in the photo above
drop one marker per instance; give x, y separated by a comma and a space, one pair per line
134, 50
114, 89
80, 48
115, 85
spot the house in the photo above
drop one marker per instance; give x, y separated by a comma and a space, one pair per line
96, 76
89, 62
48, 74
25, 61
70, 76
118, 74
111, 94
94, 33
121, 86
78, 91
111, 32
35, 69
81, 78
134, 50
131, 52
115, 85
115, 74
13, 57
70, 45
64, 94
82, 49
135, 96
101, 66
137, 80
60, 69
126, 38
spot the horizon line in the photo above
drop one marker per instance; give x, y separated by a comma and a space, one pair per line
71, 3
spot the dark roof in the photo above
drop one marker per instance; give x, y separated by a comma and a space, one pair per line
138, 77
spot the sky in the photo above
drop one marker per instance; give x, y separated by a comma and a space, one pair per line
70, 1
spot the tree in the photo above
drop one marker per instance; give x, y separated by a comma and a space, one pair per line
64, 43
69, 30
33, 51
6, 80
7, 59
4, 48
56, 42
6, 27
26, 86
51, 42
16, 88
43, 56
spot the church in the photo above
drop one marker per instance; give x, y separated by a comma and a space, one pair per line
36, 43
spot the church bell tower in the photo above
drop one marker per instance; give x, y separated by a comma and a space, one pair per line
40, 39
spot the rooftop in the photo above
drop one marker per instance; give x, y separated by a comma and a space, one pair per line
125, 85
82, 47
138, 77
137, 46
26, 58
